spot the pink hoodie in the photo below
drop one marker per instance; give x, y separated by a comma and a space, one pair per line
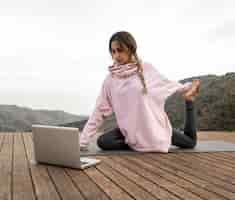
141, 118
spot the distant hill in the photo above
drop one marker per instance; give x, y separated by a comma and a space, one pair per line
215, 104
14, 118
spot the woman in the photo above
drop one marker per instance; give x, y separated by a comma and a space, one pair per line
136, 93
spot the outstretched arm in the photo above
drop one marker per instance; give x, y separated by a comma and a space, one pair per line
168, 87
102, 109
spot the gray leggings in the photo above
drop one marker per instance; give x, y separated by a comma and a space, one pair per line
187, 138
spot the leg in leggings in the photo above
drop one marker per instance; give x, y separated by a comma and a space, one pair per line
188, 138
112, 140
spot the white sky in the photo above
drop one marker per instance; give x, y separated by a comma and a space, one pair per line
54, 53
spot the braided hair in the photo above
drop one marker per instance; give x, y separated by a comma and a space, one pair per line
125, 39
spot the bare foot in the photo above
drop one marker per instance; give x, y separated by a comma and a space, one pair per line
193, 91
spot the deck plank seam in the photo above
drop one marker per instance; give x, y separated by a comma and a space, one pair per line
53, 183
209, 159
29, 168
204, 171
216, 185
130, 195
151, 180
123, 175
195, 184
75, 185
169, 180
131, 179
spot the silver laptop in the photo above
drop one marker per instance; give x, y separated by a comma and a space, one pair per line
59, 146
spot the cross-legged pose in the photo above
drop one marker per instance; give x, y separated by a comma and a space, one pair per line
136, 93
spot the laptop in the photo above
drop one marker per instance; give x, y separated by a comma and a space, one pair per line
59, 145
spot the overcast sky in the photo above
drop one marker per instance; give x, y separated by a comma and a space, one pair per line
54, 53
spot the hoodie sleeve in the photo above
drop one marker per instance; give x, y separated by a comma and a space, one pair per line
102, 109
169, 87
175, 86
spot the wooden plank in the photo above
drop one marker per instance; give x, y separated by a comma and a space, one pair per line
203, 166
110, 188
230, 155
6, 155
208, 159
22, 183
123, 182
209, 182
64, 184
222, 162
230, 174
179, 176
214, 176
227, 156
190, 183
149, 186
44, 187
87, 187
227, 168
148, 171
221, 157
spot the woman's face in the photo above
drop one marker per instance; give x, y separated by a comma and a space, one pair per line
119, 54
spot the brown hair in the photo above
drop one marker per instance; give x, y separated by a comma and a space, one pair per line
126, 39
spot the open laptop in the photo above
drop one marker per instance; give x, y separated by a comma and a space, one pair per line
59, 146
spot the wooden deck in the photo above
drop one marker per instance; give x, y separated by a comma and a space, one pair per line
186, 176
